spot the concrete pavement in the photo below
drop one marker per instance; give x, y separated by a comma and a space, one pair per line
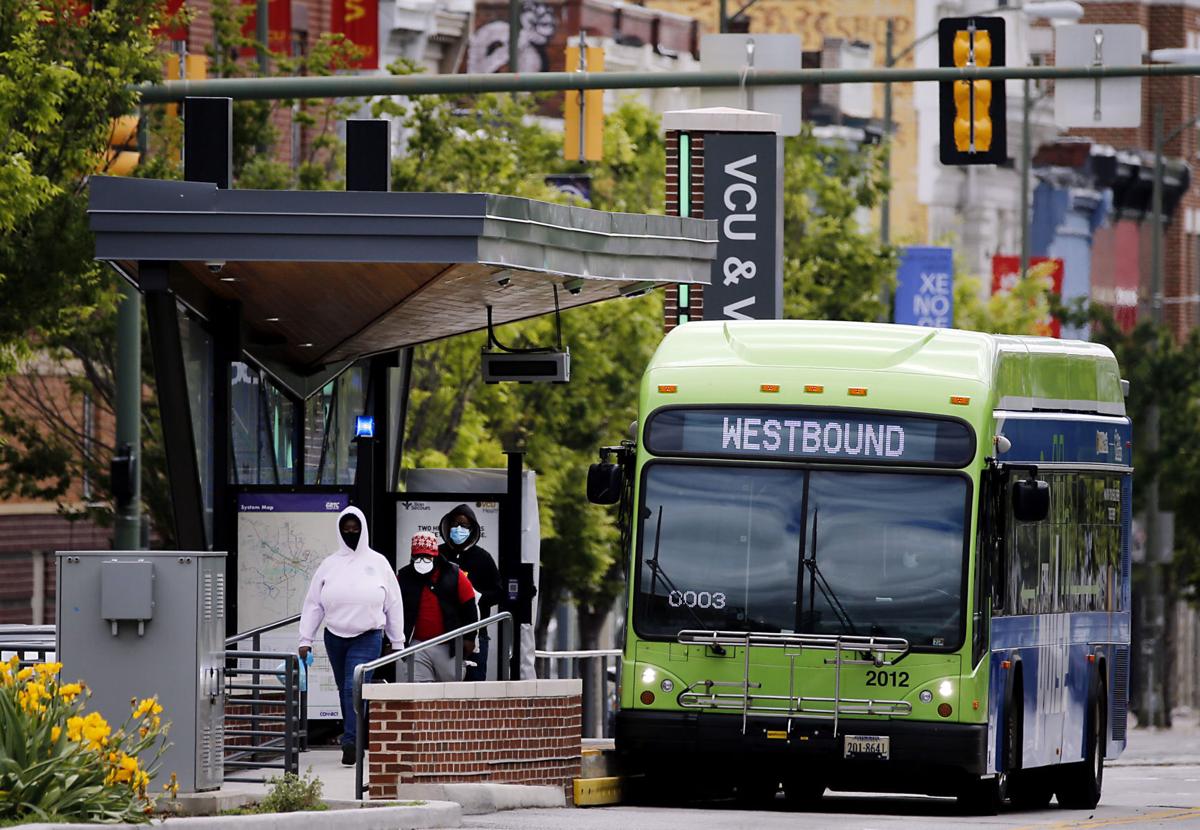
1156, 783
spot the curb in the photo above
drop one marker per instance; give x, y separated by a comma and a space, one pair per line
480, 799
434, 814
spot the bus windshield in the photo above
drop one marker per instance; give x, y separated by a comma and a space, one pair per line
741, 548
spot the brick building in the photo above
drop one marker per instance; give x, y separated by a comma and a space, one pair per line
1168, 24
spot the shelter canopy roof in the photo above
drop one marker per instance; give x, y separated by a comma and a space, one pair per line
326, 277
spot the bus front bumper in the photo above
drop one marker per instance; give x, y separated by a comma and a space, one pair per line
920, 747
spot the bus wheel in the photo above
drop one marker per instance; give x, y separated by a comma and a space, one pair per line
1030, 790
1080, 784
803, 791
983, 796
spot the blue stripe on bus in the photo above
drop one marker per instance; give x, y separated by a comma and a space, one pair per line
1056, 439
1050, 651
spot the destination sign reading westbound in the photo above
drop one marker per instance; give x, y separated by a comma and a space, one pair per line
807, 433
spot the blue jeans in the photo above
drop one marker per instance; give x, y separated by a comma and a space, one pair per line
479, 670
345, 655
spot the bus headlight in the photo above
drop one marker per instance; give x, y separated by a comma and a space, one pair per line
666, 685
925, 695
946, 688
648, 675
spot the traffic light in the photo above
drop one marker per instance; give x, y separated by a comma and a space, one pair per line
590, 114
122, 155
972, 112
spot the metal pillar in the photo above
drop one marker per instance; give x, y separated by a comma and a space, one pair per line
509, 556
183, 470
885, 206
1026, 160
1154, 603
128, 524
514, 34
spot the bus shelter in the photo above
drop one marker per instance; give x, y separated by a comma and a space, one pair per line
278, 319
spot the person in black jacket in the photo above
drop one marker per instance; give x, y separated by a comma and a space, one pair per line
438, 597
460, 529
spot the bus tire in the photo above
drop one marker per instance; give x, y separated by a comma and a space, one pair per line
1080, 783
1028, 789
982, 796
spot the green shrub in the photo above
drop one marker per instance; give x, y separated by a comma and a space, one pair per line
56, 760
292, 793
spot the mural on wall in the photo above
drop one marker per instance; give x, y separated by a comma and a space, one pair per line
488, 50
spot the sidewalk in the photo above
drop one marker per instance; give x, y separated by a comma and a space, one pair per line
1177, 746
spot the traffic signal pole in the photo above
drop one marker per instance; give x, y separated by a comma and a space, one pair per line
360, 86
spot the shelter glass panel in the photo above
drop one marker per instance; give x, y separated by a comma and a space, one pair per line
198, 362
331, 453
262, 421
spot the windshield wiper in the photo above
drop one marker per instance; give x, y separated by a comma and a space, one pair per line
818, 579
658, 573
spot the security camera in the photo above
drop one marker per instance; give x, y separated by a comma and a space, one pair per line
574, 287
504, 281
215, 267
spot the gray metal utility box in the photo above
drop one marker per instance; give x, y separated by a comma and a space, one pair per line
142, 623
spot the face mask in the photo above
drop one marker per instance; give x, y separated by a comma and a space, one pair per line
351, 537
422, 566
458, 535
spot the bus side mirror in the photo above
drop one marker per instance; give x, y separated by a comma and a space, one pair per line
1031, 500
604, 483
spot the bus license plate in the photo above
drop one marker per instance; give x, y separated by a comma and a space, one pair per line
876, 747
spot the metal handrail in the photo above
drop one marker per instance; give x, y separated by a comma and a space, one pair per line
588, 710
360, 712
595, 652
255, 636
287, 744
262, 629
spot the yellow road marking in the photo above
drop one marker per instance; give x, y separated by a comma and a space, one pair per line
1166, 815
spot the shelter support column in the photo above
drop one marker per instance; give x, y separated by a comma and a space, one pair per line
170, 373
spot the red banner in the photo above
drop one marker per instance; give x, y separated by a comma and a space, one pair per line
358, 20
279, 27
1006, 270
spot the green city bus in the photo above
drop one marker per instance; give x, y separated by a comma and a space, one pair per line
871, 557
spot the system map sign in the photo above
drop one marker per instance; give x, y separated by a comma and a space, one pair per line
282, 538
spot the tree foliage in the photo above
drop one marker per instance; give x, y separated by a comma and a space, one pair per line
63, 77
1024, 309
834, 267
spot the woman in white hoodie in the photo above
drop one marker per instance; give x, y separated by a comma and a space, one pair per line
355, 593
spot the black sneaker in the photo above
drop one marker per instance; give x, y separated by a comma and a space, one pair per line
347, 756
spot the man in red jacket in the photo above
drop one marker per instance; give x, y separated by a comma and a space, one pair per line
438, 597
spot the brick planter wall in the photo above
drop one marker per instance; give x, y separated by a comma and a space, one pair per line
519, 732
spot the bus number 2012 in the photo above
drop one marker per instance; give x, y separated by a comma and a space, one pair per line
696, 599
887, 678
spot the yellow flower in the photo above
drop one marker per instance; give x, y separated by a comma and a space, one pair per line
55, 733
24, 674
30, 698
147, 706
47, 669
125, 769
74, 728
70, 691
95, 730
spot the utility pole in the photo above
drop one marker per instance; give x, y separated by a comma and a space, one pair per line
1026, 160
128, 523
723, 23
885, 207
514, 35
1154, 603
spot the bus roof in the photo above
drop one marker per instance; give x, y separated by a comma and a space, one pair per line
1025, 373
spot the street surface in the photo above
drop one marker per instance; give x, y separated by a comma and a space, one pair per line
1156, 783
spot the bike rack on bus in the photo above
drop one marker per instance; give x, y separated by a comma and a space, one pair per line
865, 650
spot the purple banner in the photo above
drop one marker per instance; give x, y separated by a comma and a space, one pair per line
292, 502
